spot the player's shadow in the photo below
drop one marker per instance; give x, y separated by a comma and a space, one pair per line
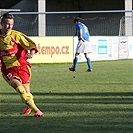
96, 112
81, 98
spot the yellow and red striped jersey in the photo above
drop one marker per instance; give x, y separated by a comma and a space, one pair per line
13, 48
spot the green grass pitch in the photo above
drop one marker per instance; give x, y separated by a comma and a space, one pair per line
93, 102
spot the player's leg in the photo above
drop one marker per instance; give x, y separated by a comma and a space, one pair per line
75, 62
15, 81
26, 97
25, 75
27, 109
79, 49
88, 62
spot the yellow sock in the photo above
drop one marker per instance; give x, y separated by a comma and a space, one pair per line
26, 97
33, 106
30, 95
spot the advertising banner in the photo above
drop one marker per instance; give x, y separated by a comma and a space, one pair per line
123, 48
130, 47
101, 48
53, 50
62, 49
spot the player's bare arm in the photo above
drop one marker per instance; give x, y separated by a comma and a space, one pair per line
80, 32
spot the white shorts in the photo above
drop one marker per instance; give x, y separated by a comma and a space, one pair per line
82, 47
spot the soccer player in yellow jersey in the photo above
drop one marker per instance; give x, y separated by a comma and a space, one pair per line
15, 49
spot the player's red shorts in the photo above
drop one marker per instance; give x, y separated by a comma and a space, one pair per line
21, 73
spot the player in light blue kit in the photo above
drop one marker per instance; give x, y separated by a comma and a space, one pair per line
83, 44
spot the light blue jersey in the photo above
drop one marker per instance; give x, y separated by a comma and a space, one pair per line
85, 31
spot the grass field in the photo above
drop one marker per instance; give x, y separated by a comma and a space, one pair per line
96, 102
